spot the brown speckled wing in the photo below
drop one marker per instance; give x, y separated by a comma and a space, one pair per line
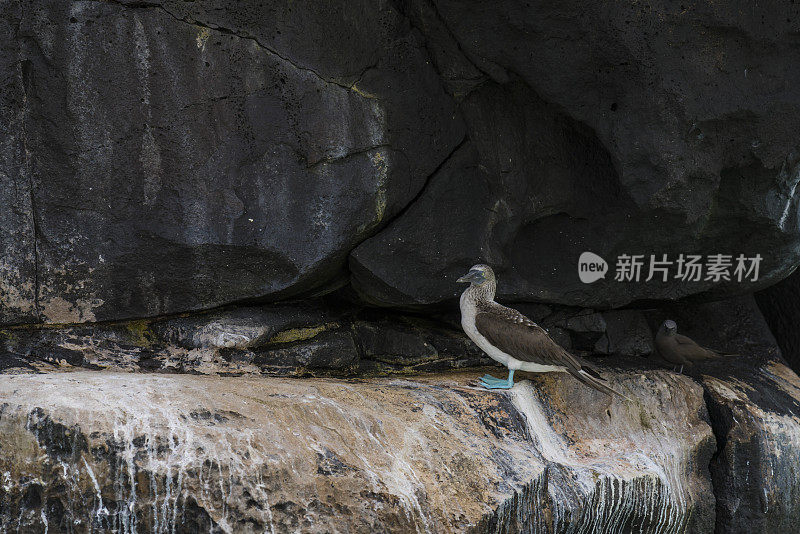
516, 335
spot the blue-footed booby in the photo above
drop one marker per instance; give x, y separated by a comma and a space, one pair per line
681, 350
512, 339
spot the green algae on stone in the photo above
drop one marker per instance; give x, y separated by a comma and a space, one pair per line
139, 332
300, 334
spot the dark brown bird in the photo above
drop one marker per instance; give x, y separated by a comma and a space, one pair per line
512, 339
681, 350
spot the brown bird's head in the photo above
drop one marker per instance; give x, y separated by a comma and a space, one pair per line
668, 328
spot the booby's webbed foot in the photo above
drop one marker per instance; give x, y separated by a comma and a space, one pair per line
490, 382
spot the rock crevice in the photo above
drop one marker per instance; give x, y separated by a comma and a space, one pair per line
25, 67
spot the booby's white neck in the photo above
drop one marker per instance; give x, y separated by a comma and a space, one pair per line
469, 306
482, 293
469, 301
469, 309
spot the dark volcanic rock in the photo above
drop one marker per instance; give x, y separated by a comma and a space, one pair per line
300, 338
185, 156
330, 338
168, 156
627, 334
780, 305
624, 129
754, 408
17, 247
413, 344
333, 350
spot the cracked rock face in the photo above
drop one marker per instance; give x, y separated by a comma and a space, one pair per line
149, 453
624, 129
169, 160
755, 413
168, 156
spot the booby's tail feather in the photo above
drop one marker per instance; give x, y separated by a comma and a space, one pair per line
592, 379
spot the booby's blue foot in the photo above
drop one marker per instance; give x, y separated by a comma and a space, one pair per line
490, 382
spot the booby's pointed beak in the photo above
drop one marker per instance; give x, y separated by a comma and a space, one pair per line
474, 276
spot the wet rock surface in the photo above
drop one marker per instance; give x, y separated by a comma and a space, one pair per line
714, 448
755, 413
106, 451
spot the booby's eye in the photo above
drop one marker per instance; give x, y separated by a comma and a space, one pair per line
474, 276
478, 276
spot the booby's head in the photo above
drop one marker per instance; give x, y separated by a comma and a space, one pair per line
478, 275
669, 327
482, 283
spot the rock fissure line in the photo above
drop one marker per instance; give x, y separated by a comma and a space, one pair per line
241, 35
411, 202
479, 81
425, 185
718, 431
36, 233
24, 68
457, 42
323, 161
